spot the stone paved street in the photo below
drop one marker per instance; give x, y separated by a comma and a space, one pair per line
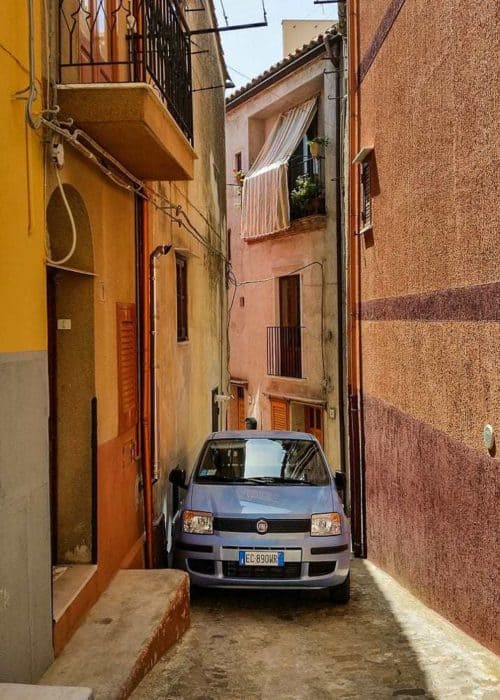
287, 645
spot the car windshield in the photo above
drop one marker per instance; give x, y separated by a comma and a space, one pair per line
262, 461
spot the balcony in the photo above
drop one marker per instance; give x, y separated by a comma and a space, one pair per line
125, 79
284, 351
306, 186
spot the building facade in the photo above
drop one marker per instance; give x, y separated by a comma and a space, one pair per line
424, 295
115, 338
283, 216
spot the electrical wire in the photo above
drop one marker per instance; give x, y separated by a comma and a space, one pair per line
72, 222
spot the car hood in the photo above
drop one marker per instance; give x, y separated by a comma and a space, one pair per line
237, 500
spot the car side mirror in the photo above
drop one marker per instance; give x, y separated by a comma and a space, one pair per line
340, 481
177, 477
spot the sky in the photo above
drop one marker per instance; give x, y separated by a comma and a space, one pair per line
249, 52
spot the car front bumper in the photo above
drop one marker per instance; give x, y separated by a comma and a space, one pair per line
310, 562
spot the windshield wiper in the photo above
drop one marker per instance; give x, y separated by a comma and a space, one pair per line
278, 480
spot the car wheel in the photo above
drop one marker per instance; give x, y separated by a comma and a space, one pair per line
342, 593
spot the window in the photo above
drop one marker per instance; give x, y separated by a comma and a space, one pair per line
237, 162
366, 195
182, 310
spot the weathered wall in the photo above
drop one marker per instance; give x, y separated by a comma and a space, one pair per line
25, 594
110, 213
188, 371
430, 301
309, 241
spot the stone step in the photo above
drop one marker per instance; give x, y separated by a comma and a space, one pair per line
20, 691
140, 615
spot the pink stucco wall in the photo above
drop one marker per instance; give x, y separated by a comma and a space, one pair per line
255, 306
430, 303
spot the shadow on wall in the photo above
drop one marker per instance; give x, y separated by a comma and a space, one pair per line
295, 644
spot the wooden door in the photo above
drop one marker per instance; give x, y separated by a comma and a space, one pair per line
279, 415
314, 422
240, 407
52, 369
290, 346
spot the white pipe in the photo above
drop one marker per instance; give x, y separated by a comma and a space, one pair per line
73, 225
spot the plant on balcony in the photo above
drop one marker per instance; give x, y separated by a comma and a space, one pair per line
316, 144
306, 196
239, 176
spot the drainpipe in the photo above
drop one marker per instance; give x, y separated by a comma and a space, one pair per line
147, 480
334, 50
153, 258
356, 441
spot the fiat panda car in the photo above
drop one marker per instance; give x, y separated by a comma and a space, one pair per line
262, 510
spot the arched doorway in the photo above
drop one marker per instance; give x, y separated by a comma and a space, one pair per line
70, 298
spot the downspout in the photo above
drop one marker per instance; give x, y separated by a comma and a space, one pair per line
146, 384
356, 451
336, 58
157, 252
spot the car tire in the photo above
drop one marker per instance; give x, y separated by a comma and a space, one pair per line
341, 594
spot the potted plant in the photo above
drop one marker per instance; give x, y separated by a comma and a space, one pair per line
306, 195
316, 144
239, 176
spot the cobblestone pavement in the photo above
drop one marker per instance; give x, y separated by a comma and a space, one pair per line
255, 645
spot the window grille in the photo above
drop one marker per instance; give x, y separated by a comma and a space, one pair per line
366, 195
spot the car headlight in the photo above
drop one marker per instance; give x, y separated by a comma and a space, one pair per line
197, 522
323, 524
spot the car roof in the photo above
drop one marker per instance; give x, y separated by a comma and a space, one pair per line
282, 434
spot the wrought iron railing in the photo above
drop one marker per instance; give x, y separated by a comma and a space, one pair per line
284, 351
306, 186
128, 41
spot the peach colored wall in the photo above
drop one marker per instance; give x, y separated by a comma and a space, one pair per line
280, 255
430, 361
189, 370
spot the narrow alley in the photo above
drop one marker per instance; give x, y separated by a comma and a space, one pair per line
295, 645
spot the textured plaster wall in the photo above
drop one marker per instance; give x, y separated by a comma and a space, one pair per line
188, 371
428, 106
25, 576
256, 306
25, 604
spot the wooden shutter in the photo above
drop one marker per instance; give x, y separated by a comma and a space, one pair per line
126, 337
279, 415
314, 422
240, 393
181, 289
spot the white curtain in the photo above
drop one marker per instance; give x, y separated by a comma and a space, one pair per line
265, 206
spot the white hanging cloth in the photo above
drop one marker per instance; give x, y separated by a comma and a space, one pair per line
265, 204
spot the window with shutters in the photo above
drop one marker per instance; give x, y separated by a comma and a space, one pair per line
182, 297
126, 330
279, 414
366, 195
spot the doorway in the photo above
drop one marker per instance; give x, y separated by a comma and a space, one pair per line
72, 404
290, 331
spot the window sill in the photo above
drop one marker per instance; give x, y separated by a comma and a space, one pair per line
183, 343
364, 230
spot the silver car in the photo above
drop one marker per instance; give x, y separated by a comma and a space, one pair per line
262, 510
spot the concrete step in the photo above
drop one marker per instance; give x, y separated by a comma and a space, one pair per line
20, 691
139, 616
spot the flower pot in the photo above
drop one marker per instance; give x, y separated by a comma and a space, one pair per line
315, 149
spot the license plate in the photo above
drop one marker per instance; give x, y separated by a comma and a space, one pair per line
261, 558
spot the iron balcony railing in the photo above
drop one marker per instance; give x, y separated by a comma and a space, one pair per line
284, 351
134, 41
306, 186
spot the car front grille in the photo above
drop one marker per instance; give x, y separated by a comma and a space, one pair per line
250, 525
232, 569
